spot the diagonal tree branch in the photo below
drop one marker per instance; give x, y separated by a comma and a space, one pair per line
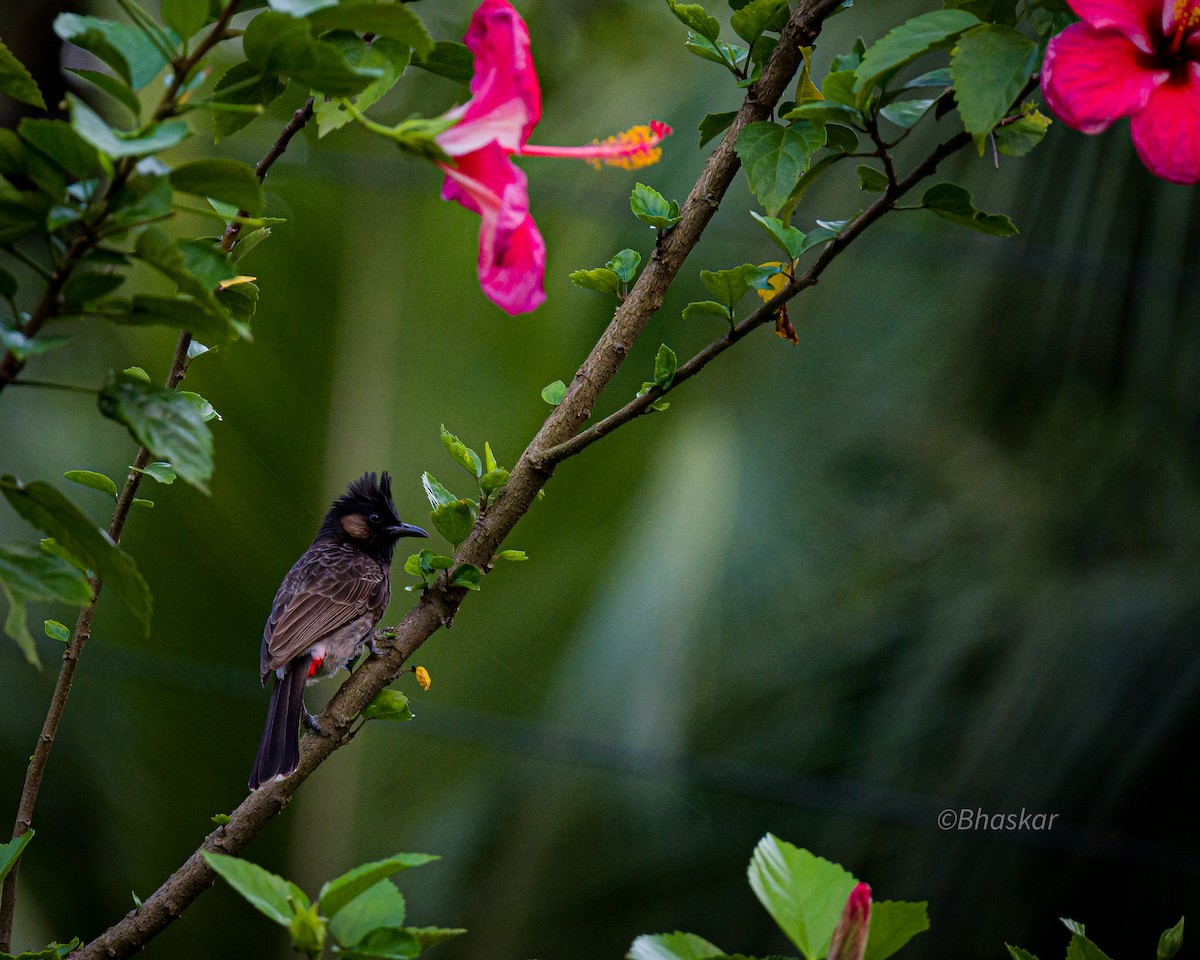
83, 625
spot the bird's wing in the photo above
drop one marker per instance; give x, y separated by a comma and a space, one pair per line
322, 594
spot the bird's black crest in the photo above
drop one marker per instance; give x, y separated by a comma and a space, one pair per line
366, 494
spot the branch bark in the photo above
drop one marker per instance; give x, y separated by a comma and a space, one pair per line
83, 625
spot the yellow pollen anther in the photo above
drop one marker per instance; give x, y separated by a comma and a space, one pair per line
1185, 15
633, 149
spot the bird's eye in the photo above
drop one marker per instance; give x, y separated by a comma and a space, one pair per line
374, 518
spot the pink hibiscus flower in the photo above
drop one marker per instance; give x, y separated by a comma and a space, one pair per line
505, 106
1138, 59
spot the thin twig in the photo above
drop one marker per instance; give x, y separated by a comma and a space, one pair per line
79, 636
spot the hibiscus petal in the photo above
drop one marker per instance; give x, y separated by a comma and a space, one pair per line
1166, 133
1092, 77
512, 253
1137, 19
504, 71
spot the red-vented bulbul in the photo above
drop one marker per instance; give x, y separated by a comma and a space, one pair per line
326, 609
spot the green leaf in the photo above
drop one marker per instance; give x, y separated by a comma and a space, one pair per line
714, 124
467, 575
1019, 137
516, 556
89, 478
8, 284
912, 39
115, 87
554, 393
600, 279
394, 20
454, 520
276, 43
145, 310
185, 17
955, 203
29, 573
229, 181
753, 18
1018, 954
870, 179
1171, 941
18, 82
694, 16
1081, 948
390, 706
934, 78
624, 264
893, 923
990, 66
384, 945
203, 407
10, 852
672, 946
651, 207
165, 423
787, 238
338, 892
44, 508
56, 631
716, 51
493, 480
60, 143
308, 930
729, 286
824, 111
196, 266
489, 459
115, 144
463, 455
389, 57
906, 113
775, 156
665, 364
242, 84
22, 346
379, 906
87, 286
706, 308
427, 937
142, 502
995, 11
141, 198
838, 87
438, 495
450, 60
265, 891
802, 892
125, 48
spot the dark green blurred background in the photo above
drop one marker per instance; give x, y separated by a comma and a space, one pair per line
943, 554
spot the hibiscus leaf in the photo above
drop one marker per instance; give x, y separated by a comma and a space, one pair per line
905, 43
17, 82
989, 65
955, 203
775, 157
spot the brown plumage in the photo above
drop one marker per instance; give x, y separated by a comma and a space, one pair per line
327, 607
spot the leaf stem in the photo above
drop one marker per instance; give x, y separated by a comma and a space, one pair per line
29, 261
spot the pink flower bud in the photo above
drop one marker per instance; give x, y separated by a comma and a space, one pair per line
849, 941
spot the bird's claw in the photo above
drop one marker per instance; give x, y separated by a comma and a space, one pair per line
311, 722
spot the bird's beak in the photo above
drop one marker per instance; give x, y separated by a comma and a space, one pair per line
406, 530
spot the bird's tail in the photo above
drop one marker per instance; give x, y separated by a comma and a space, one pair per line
279, 751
